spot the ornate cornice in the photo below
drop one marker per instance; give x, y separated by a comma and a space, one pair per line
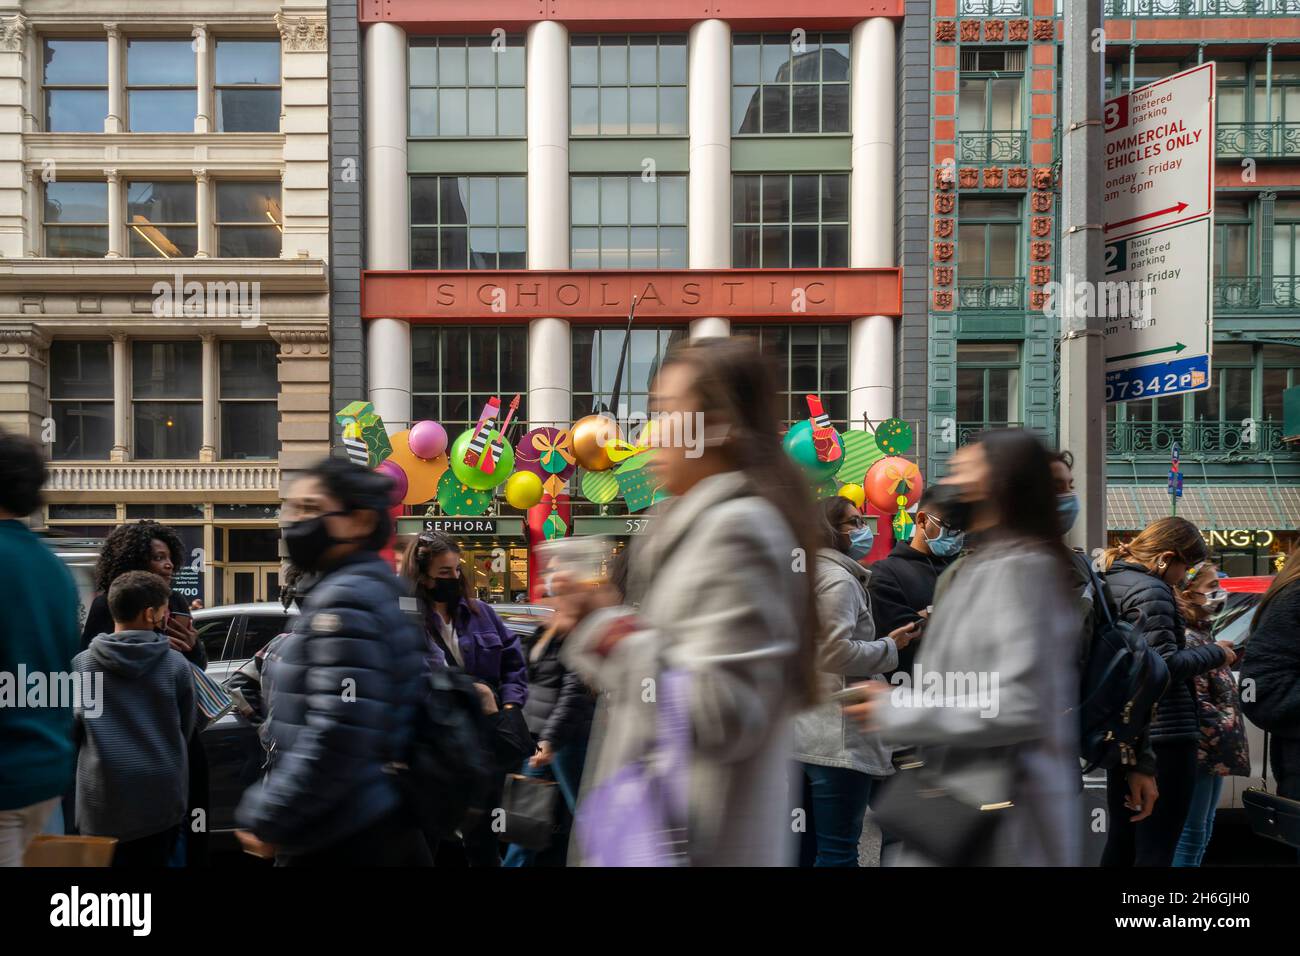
23, 340
302, 341
302, 34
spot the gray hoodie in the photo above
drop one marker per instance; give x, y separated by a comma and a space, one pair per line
132, 768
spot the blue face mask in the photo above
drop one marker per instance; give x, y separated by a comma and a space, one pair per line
1067, 508
946, 543
860, 541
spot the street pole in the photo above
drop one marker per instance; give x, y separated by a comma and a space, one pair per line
1083, 398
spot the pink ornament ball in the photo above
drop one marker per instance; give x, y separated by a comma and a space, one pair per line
400, 482
427, 440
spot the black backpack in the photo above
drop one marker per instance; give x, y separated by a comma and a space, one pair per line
448, 772
1121, 681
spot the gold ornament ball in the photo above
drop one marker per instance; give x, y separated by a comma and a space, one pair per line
592, 437
854, 493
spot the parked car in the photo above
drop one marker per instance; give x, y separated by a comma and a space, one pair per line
232, 635
80, 555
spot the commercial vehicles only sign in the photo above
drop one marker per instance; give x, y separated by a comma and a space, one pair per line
1158, 209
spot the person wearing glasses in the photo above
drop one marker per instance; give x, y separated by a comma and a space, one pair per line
1141, 575
837, 762
903, 582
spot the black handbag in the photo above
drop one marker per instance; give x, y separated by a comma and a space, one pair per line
1272, 815
529, 805
929, 819
511, 741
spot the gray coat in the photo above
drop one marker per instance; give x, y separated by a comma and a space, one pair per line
849, 653
132, 762
719, 598
1005, 616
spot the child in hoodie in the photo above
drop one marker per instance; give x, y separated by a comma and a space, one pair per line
132, 773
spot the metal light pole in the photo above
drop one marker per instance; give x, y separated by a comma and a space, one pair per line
1083, 398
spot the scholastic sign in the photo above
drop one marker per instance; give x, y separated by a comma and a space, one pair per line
520, 295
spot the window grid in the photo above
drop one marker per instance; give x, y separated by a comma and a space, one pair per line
806, 360
166, 426
464, 222
241, 95
595, 355
157, 238
458, 368
255, 231
987, 384
466, 87
160, 107
628, 85
81, 404
247, 384
812, 96
613, 229
74, 92
770, 239
75, 237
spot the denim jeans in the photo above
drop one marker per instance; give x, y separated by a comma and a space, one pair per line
565, 769
835, 802
1200, 819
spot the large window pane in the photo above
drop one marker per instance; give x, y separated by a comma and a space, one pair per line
248, 430
83, 431
249, 219
247, 80
778, 90
161, 92
161, 218
167, 369
248, 370
167, 430
622, 85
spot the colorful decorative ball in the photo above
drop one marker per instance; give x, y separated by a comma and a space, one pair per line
474, 477
854, 493
545, 451
800, 446
903, 525
893, 484
598, 487
423, 476
523, 490
457, 498
894, 436
427, 440
393, 470
592, 436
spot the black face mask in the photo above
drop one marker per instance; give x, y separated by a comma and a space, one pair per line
948, 504
308, 540
445, 590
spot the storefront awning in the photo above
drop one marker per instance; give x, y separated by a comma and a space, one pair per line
1210, 508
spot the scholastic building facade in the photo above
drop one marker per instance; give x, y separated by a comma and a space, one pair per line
509, 177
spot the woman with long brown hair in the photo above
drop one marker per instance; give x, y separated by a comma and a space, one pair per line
1141, 575
1221, 751
1272, 666
723, 584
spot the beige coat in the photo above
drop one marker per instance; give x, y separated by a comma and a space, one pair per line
717, 580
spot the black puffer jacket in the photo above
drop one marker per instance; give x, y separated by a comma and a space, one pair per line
1148, 603
341, 691
1272, 662
559, 705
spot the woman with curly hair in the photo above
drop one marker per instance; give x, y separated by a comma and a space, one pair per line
150, 546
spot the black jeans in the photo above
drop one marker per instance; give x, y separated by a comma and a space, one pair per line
1151, 842
154, 850
391, 841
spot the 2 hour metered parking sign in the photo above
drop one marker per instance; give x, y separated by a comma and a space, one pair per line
1158, 211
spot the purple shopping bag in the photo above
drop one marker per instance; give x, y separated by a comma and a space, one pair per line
637, 815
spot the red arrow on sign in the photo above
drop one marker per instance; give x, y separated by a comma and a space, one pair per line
1150, 215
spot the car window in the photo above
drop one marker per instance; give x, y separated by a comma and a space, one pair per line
259, 629
214, 633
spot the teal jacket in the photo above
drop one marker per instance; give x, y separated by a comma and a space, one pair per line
38, 636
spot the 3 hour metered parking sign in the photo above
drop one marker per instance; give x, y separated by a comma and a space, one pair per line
1158, 211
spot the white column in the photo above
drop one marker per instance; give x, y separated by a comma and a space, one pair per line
115, 121
116, 215
871, 212
709, 229
547, 56
203, 77
208, 452
33, 212
388, 341
203, 214
120, 398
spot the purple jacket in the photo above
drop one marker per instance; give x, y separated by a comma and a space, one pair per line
490, 649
